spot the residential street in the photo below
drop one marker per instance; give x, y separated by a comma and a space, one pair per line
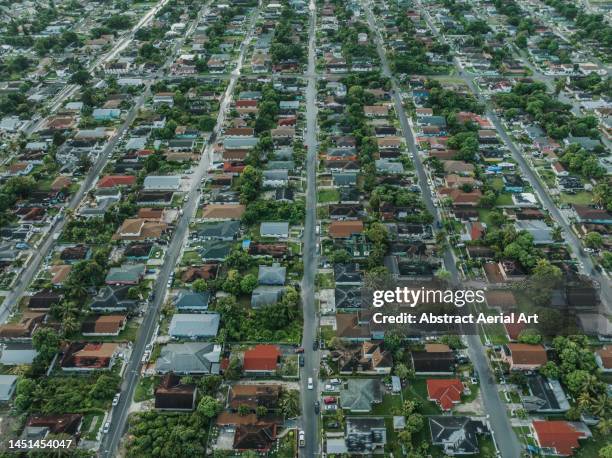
505, 438
311, 322
119, 416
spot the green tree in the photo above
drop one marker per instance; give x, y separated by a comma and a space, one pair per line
593, 240
248, 284
529, 336
208, 407
290, 403
234, 369
550, 370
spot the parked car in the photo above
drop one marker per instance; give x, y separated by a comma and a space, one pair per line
329, 400
302, 439
106, 427
317, 407
299, 350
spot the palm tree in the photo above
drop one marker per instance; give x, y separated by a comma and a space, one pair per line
290, 403
70, 325
605, 426
585, 400
601, 405
589, 384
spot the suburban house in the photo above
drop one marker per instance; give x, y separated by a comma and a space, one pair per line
457, 435
253, 396
261, 359
546, 396
189, 358
103, 325
187, 300
84, 356
194, 325
426, 362
558, 437
359, 394
171, 394
127, 274
445, 392
524, 357
276, 230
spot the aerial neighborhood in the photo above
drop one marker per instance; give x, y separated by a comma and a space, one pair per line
197, 199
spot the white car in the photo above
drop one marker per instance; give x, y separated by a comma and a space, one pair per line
106, 427
302, 439
116, 399
310, 383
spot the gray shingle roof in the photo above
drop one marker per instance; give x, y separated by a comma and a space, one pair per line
193, 325
189, 358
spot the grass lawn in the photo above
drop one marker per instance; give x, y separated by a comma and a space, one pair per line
328, 195
504, 199
484, 216
389, 404
191, 258
417, 389
324, 281
580, 198
144, 389
89, 427
497, 183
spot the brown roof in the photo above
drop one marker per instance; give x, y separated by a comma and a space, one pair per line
139, 229
24, 328
60, 183
437, 348
59, 273
239, 131
344, 229
97, 350
104, 324
458, 167
151, 213
527, 354
347, 326
229, 211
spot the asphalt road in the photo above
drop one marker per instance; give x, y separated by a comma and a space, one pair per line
45, 246
118, 46
588, 268
118, 418
309, 421
505, 438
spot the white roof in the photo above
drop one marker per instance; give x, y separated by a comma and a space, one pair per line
7, 383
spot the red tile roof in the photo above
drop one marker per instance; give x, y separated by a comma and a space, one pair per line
261, 358
559, 435
110, 181
445, 392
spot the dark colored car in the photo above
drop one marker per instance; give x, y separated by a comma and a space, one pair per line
317, 407
315, 345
